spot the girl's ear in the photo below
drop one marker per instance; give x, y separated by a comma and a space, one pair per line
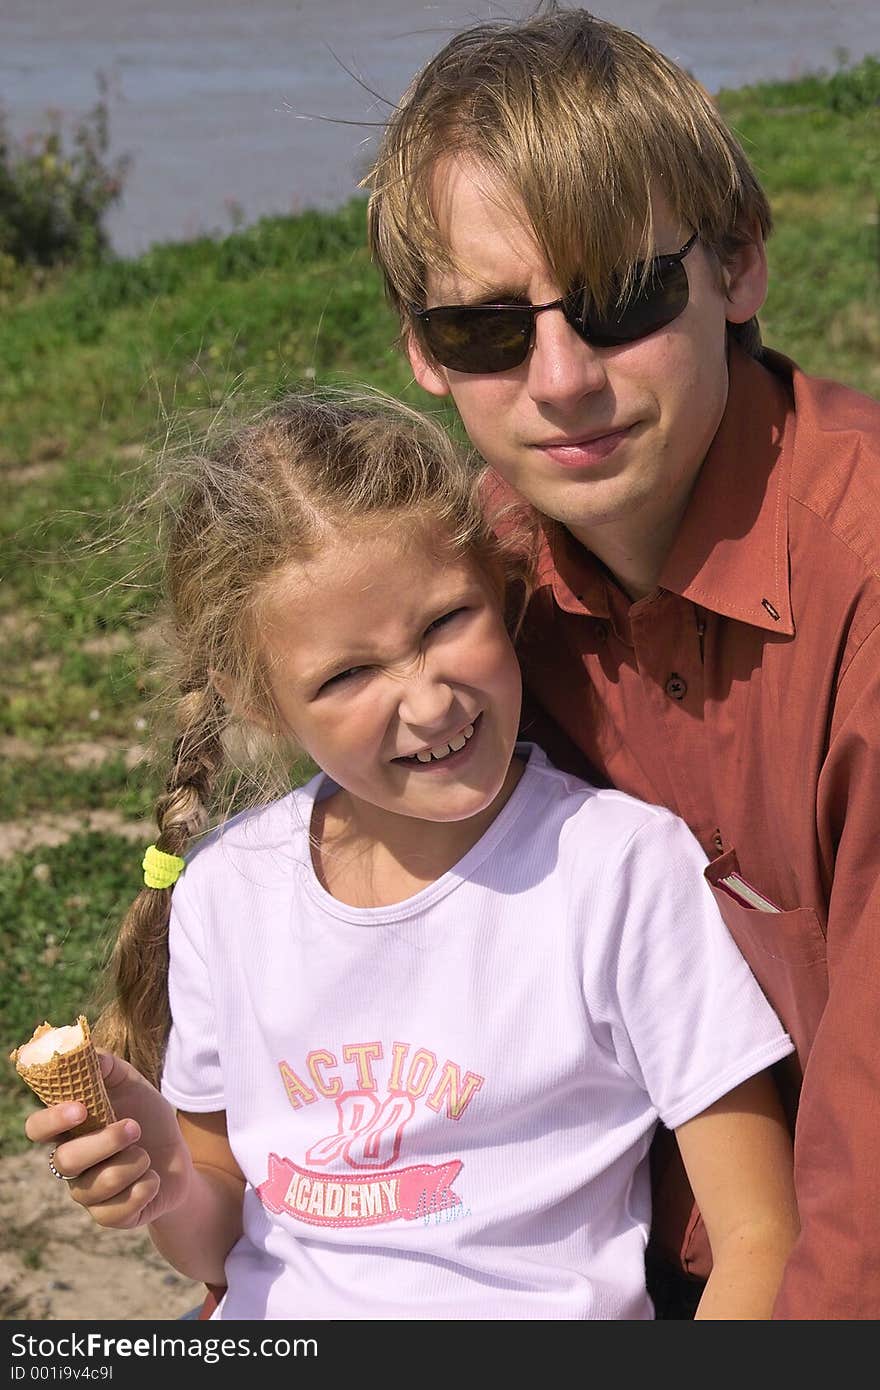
225, 689
228, 692
431, 378
745, 278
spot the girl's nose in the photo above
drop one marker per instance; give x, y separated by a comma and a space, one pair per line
425, 703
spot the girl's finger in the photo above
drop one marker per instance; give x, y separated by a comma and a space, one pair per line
42, 1126
104, 1182
75, 1156
124, 1212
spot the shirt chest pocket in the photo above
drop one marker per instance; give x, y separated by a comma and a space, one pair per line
786, 951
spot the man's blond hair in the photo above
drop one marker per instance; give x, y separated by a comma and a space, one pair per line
582, 122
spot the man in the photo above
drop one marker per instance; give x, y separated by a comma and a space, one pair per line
705, 630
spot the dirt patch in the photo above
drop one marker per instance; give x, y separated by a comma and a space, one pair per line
57, 1264
30, 473
47, 665
106, 644
19, 625
13, 748
78, 755
50, 446
20, 837
93, 752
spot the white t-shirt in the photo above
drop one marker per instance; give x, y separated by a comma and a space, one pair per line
443, 1108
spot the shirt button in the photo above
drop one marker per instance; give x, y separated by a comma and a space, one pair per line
676, 688
601, 632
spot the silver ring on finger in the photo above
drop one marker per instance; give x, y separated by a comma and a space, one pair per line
54, 1171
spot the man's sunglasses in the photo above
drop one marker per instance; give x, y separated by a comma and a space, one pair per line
496, 337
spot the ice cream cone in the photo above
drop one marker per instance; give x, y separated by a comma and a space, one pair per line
71, 1071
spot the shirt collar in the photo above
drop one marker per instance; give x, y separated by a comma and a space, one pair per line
573, 573
731, 551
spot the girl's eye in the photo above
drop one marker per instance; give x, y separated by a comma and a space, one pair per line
342, 676
352, 672
444, 619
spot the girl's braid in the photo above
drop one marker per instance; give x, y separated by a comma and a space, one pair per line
135, 1024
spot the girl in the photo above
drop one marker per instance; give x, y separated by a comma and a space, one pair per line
427, 1010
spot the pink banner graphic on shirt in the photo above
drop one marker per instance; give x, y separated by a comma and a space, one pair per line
322, 1199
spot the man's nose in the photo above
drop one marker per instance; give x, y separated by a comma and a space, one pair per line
562, 368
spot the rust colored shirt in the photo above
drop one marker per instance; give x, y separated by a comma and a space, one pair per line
744, 694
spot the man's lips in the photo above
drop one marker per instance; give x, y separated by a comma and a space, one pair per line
581, 450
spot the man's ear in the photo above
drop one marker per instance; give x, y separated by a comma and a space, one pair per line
745, 279
431, 378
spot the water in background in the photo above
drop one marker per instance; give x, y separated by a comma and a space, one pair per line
272, 105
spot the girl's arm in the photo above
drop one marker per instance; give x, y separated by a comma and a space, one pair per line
198, 1235
738, 1157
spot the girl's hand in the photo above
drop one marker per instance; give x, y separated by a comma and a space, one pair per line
130, 1172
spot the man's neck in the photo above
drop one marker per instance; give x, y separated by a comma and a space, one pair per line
634, 555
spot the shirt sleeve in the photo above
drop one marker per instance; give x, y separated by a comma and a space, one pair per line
191, 1079
834, 1270
689, 1021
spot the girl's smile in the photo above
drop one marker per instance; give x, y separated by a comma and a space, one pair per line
445, 752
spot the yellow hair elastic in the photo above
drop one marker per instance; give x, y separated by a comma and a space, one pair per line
161, 870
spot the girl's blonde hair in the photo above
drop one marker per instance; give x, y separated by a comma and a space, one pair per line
272, 494
583, 122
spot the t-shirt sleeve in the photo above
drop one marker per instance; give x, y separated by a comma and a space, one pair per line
688, 1020
191, 1078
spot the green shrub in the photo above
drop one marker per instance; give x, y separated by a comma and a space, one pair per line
849, 90
855, 89
54, 192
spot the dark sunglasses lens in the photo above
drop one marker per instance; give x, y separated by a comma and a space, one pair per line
647, 309
477, 340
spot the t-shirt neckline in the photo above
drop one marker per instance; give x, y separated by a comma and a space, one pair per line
322, 786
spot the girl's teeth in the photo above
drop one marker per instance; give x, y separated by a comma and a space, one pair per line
442, 751
453, 746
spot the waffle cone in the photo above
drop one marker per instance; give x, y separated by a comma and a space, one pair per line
74, 1075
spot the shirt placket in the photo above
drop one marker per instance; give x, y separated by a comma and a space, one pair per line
666, 633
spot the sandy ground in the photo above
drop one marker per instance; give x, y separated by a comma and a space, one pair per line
55, 1263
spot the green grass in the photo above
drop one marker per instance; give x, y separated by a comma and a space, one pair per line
58, 910
815, 145
58, 907
47, 786
92, 694
93, 363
